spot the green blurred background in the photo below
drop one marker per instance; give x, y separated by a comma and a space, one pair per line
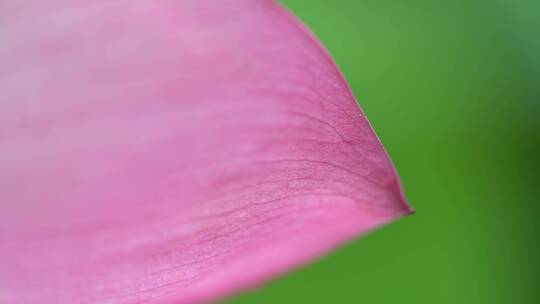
453, 90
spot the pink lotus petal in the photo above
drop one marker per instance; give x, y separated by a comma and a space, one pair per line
174, 151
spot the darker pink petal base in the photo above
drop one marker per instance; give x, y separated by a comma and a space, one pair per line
174, 151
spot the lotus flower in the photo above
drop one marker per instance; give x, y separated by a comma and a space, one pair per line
174, 151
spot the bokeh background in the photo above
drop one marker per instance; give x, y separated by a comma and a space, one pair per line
453, 90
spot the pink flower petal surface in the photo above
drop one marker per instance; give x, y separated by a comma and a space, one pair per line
174, 151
